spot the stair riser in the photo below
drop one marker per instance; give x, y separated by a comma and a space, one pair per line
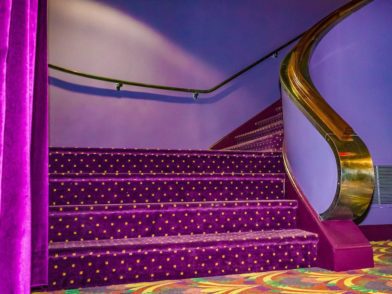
260, 133
66, 192
169, 221
69, 163
132, 266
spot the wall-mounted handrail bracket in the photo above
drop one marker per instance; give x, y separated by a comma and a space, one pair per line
119, 86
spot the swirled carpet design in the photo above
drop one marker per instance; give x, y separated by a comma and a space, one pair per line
309, 280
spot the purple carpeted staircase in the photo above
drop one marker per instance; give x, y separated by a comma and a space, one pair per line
130, 215
266, 136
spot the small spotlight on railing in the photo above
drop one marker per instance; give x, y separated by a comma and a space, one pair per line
275, 55
195, 96
119, 86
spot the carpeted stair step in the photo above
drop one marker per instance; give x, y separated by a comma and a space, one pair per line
269, 120
132, 215
129, 161
137, 189
98, 222
260, 132
270, 143
81, 264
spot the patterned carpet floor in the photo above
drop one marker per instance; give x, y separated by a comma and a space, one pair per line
310, 280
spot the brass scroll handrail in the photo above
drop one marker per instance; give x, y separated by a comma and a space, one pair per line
119, 83
355, 167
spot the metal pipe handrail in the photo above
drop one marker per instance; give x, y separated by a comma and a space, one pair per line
119, 83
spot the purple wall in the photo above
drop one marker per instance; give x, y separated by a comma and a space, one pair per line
379, 214
179, 43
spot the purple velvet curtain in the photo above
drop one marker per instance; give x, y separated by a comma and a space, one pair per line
23, 145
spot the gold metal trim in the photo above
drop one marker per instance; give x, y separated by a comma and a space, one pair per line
355, 167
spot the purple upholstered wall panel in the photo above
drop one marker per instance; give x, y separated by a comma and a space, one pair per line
181, 43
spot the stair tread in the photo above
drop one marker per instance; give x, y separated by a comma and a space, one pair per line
272, 236
120, 208
161, 177
168, 152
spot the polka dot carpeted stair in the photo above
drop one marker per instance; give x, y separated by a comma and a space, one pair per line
265, 135
132, 215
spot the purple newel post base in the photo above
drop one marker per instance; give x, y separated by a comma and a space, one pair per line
342, 246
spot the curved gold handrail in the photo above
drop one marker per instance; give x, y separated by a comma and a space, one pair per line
355, 167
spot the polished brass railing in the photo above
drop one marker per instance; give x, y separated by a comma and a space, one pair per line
355, 168
119, 83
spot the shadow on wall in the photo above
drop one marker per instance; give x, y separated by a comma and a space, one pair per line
109, 93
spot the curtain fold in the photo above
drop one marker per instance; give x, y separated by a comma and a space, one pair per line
23, 145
